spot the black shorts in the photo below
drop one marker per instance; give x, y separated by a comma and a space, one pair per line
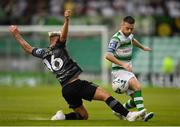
76, 91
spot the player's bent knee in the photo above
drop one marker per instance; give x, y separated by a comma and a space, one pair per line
138, 87
134, 84
81, 110
84, 116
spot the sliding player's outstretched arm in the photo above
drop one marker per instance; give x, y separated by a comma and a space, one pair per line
64, 31
15, 32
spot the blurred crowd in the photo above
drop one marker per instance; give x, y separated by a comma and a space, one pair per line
49, 12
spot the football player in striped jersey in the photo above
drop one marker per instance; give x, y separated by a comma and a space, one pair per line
120, 51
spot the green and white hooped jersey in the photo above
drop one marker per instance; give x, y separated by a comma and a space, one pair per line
121, 47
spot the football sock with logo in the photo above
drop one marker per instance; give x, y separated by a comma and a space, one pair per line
129, 104
138, 100
116, 106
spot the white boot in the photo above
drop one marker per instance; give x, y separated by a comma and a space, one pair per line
58, 116
132, 116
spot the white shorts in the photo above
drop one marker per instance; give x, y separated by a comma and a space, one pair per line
123, 76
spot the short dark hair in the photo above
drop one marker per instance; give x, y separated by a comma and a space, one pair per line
129, 19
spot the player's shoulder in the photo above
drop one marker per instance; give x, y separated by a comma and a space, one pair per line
39, 52
116, 36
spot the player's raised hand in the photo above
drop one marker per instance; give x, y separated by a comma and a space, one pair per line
67, 13
147, 49
14, 29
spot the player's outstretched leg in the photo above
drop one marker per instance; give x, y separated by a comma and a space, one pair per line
128, 105
115, 105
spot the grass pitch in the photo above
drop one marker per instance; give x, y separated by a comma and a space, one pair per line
33, 106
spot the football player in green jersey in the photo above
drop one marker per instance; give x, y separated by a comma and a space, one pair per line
120, 54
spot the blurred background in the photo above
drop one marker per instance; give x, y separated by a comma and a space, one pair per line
92, 24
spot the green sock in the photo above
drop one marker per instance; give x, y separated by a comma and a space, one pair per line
129, 104
138, 100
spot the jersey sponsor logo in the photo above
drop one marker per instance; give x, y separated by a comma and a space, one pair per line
124, 52
127, 50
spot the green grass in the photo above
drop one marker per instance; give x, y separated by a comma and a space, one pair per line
35, 106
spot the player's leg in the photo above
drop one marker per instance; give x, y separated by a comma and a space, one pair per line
102, 95
69, 116
137, 98
120, 84
120, 81
91, 91
82, 111
129, 104
115, 105
72, 95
